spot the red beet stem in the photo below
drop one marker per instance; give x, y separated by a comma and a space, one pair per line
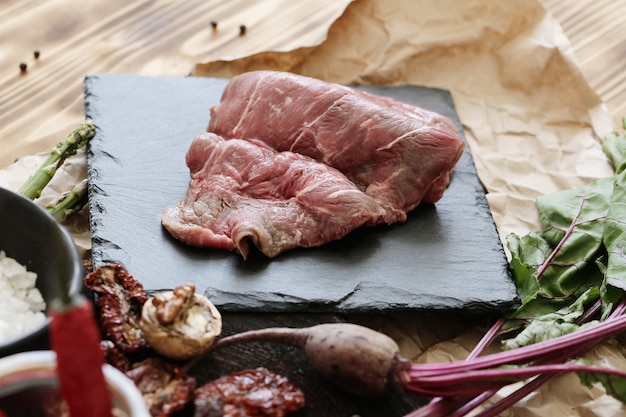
461, 406
506, 402
537, 351
476, 382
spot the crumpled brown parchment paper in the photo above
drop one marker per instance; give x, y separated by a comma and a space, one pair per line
533, 124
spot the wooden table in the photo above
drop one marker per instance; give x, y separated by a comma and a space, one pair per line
40, 105
596, 31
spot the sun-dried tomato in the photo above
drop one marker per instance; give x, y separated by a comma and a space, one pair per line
250, 393
120, 299
164, 386
114, 356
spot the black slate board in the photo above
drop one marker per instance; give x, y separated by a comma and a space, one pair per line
446, 256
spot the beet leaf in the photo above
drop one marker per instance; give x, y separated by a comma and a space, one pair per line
614, 146
573, 224
554, 268
528, 253
571, 278
551, 325
615, 227
614, 385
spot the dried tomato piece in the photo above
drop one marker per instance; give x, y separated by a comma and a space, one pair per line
250, 393
164, 386
114, 356
120, 299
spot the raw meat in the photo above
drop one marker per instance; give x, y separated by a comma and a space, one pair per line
398, 153
242, 192
292, 161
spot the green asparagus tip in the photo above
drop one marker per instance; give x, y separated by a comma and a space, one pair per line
78, 138
68, 202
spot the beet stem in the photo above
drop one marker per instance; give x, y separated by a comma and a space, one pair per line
487, 339
502, 376
498, 407
540, 350
474, 402
448, 407
506, 402
455, 406
440, 407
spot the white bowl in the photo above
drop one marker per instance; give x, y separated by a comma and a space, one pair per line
32, 373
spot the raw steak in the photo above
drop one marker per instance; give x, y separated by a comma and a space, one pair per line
396, 152
240, 192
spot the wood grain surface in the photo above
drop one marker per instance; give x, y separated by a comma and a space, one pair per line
596, 31
166, 37
158, 37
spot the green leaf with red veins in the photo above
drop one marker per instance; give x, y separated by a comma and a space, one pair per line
528, 253
554, 268
573, 223
551, 325
615, 225
614, 146
614, 385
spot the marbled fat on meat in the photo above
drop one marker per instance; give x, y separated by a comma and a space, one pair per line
242, 192
293, 161
396, 152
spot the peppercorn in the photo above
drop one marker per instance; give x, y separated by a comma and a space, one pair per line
23, 67
36, 53
242, 30
214, 24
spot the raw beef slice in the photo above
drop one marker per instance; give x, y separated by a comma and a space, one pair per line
242, 192
398, 153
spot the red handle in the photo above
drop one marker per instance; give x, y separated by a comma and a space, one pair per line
75, 338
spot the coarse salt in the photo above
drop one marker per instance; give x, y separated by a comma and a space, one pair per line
21, 303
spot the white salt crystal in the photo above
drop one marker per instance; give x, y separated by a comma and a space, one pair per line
21, 303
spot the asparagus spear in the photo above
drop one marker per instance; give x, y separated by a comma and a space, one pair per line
68, 202
33, 187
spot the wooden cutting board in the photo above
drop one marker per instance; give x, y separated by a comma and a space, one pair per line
446, 256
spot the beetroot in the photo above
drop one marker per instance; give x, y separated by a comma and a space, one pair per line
356, 358
368, 363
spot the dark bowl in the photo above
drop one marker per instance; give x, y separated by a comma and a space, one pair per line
36, 240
